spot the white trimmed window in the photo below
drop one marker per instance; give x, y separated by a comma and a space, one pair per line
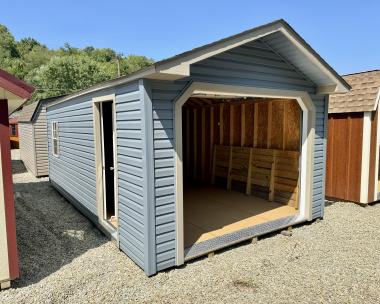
55, 137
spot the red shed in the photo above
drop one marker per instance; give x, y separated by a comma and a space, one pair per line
14, 93
353, 140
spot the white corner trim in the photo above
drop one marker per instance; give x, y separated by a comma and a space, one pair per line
376, 188
366, 149
377, 100
307, 150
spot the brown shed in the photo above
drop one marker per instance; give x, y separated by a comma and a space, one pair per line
353, 144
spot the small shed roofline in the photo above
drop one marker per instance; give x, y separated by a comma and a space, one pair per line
327, 80
30, 115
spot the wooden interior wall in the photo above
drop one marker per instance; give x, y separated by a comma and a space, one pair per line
344, 156
253, 122
373, 176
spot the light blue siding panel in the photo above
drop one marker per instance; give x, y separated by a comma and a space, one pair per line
74, 170
164, 256
130, 204
165, 264
130, 173
169, 199
164, 209
163, 238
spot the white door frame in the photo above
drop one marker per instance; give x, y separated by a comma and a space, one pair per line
99, 151
307, 150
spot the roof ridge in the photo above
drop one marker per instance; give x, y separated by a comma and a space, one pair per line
363, 72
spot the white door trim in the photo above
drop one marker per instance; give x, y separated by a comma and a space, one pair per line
307, 150
98, 155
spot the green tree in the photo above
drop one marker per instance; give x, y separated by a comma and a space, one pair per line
67, 74
64, 70
133, 63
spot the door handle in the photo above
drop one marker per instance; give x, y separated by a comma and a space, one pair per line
112, 168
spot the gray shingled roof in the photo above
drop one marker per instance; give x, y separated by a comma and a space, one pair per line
362, 97
29, 110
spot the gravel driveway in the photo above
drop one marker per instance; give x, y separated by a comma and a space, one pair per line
65, 259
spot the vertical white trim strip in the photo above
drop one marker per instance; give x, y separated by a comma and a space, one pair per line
366, 149
4, 262
376, 188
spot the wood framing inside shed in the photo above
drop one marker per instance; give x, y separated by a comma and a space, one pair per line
241, 159
353, 141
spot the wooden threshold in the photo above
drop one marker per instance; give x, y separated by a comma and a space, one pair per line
210, 212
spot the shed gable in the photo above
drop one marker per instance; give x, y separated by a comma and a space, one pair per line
254, 64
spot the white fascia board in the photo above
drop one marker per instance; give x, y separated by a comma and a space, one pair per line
340, 88
195, 56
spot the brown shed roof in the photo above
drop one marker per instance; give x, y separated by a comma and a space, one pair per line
363, 96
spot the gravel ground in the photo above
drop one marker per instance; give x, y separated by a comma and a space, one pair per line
65, 259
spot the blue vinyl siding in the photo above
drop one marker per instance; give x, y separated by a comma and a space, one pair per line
163, 94
251, 65
73, 172
74, 169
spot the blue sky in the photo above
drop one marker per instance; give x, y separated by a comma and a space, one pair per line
345, 33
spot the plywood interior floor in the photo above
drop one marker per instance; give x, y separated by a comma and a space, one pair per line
210, 212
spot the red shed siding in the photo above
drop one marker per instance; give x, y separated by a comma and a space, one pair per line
8, 190
344, 156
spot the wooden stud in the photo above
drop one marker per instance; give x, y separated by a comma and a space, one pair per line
229, 181
272, 179
211, 136
213, 165
269, 128
242, 113
195, 144
255, 123
231, 125
296, 202
221, 124
188, 141
249, 175
203, 148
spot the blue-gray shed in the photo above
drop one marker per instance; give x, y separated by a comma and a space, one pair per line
199, 151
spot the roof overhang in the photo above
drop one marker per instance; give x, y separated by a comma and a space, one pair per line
14, 90
326, 79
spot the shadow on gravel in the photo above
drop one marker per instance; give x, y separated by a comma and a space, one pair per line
50, 231
18, 167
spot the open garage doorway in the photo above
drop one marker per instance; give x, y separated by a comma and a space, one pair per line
241, 165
